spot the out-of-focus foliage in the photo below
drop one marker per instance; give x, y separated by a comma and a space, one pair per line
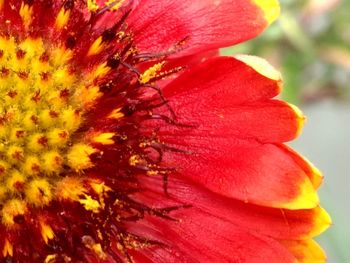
311, 44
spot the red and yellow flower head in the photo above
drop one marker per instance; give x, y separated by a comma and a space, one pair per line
125, 138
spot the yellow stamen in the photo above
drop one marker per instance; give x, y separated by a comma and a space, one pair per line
96, 47
46, 232
61, 56
52, 162
8, 249
14, 180
32, 165
104, 138
99, 72
51, 258
11, 209
116, 114
88, 96
62, 18
79, 156
39, 192
45, 99
58, 137
26, 12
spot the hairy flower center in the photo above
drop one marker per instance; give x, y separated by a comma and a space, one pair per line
43, 101
73, 145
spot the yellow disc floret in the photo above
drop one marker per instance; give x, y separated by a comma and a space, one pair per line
42, 105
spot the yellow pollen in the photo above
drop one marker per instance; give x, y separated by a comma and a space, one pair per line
100, 188
90, 204
70, 188
134, 160
151, 73
115, 4
92, 5
97, 248
90, 243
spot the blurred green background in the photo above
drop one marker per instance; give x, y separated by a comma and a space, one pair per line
310, 44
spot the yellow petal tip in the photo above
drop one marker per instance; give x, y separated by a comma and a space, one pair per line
322, 222
271, 9
306, 251
261, 66
307, 197
301, 119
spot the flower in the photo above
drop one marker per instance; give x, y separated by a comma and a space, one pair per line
125, 138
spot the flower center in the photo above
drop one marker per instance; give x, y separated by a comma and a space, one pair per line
43, 101
74, 98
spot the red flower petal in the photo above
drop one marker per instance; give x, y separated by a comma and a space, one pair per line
202, 237
208, 239
288, 224
269, 121
233, 80
217, 101
216, 104
203, 24
256, 173
314, 174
